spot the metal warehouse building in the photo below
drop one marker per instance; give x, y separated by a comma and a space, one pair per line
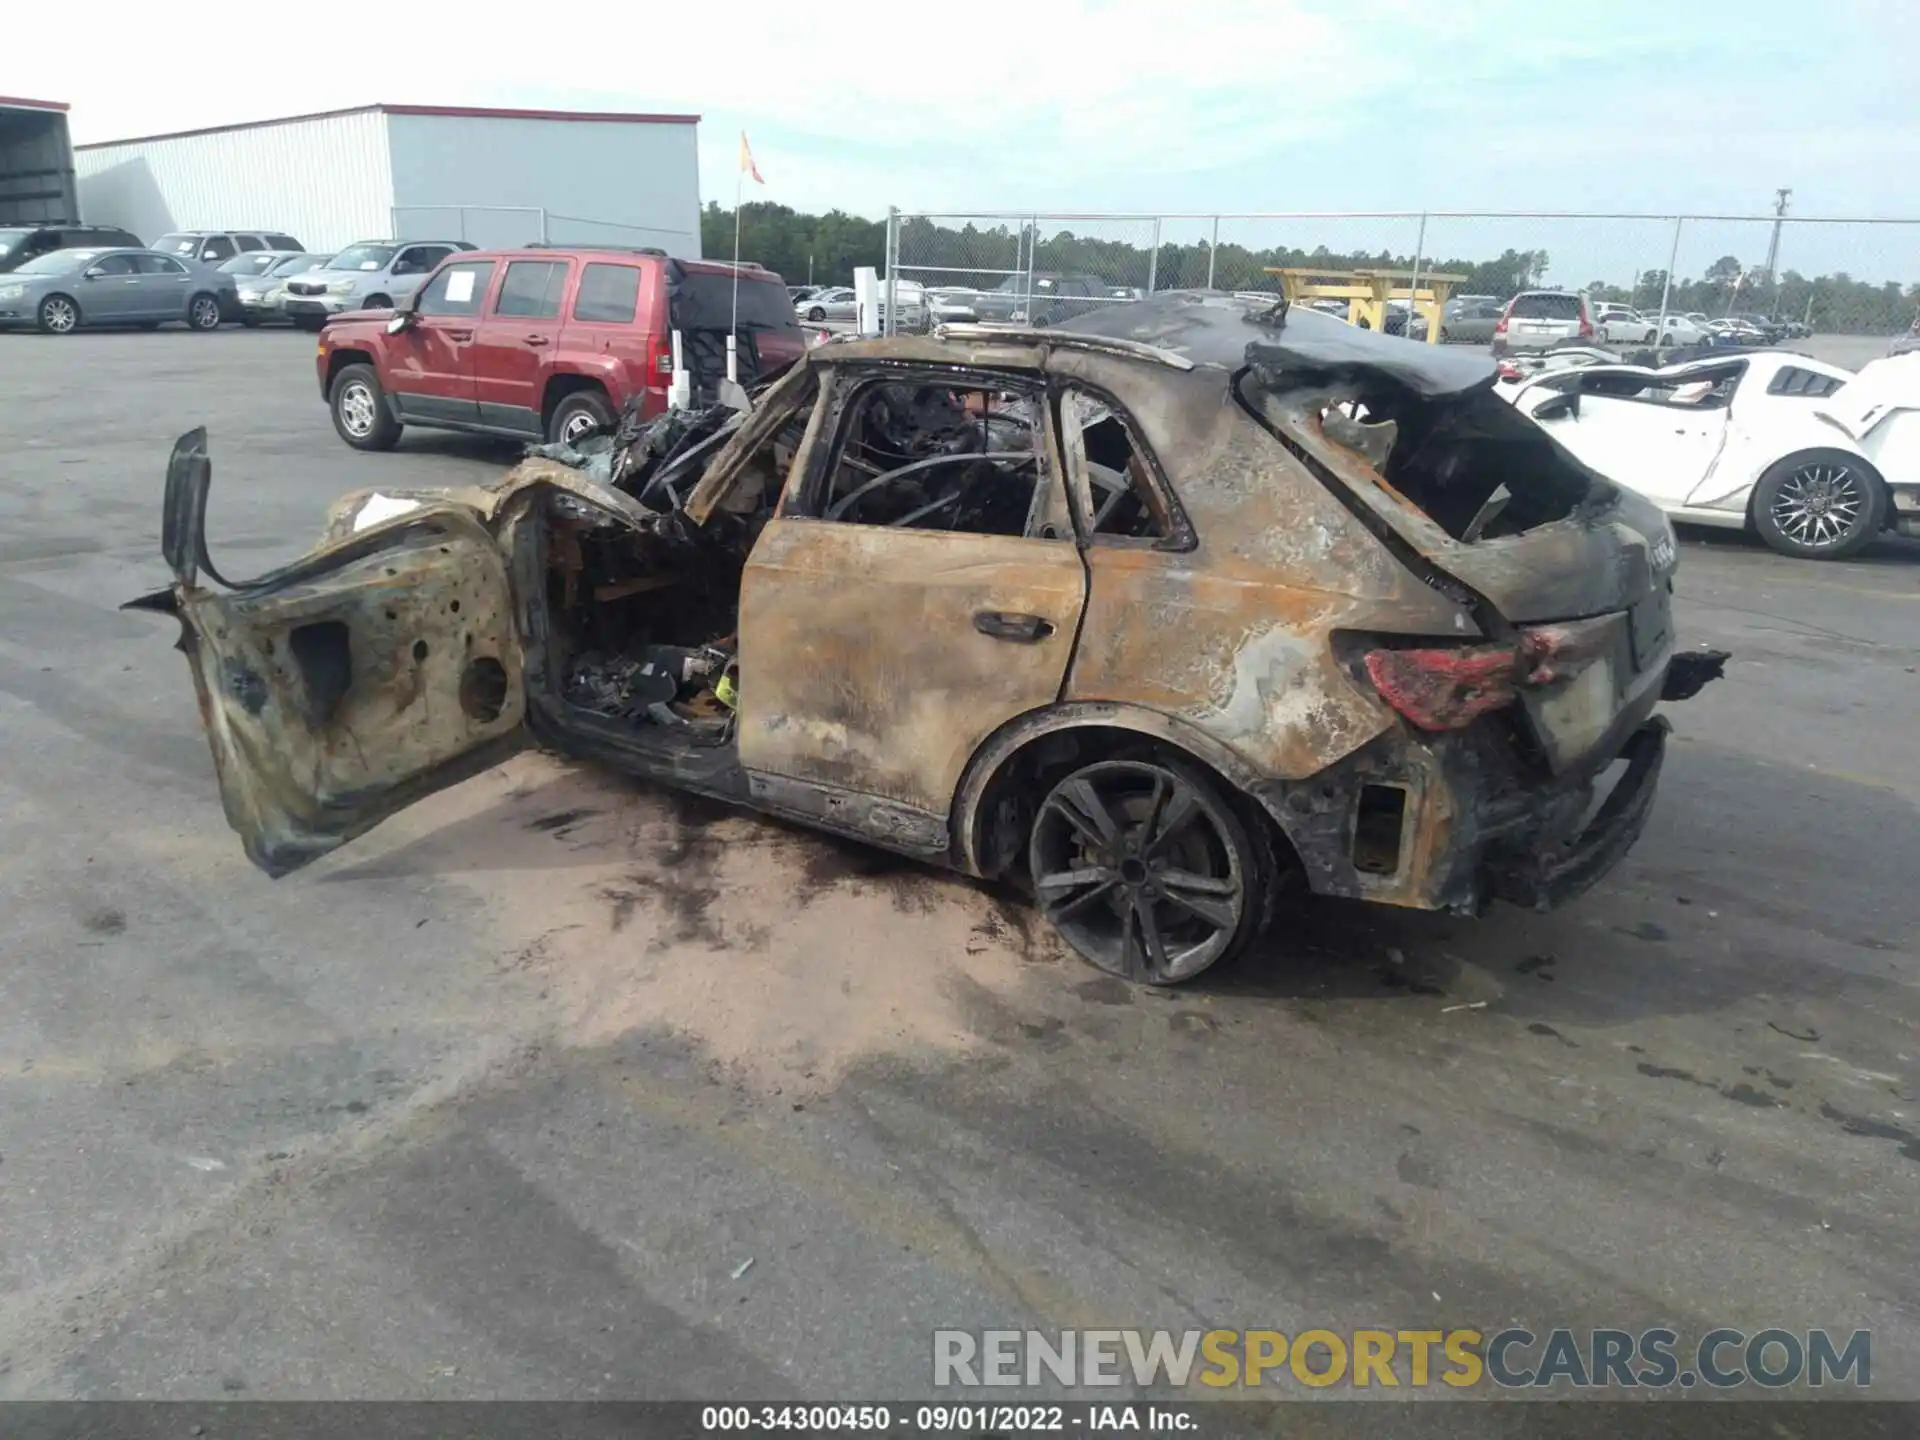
422, 172
36, 163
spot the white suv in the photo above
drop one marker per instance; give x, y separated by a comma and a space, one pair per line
1540, 320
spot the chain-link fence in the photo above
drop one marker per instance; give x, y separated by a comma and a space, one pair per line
505, 227
1839, 276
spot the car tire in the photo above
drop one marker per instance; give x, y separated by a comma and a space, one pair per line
816, 314
378, 302
1446, 336
360, 411
312, 324
1794, 505
582, 413
1103, 846
252, 322
58, 315
203, 312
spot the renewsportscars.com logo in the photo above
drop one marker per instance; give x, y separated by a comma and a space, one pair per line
1513, 1358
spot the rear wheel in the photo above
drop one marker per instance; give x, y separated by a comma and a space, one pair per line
816, 314
1146, 870
203, 313
578, 416
1819, 505
59, 315
360, 411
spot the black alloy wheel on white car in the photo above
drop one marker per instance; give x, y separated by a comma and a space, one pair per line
1819, 505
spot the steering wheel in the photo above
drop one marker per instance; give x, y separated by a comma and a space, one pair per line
840, 507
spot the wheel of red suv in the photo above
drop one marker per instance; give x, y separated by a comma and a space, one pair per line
1819, 505
59, 315
1146, 870
360, 411
578, 416
203, 313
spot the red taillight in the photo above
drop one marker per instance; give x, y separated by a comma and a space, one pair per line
1586, 324
1507, 370
1500, 325
1448, 688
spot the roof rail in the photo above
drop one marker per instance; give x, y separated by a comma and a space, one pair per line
590, 245
1112, 344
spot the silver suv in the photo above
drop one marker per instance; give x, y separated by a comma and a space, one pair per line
211, 247
1540, 320
370, 275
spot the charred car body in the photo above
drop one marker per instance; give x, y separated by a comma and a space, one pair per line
1148, 617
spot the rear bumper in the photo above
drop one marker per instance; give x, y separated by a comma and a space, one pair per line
1547, 868
1480, 823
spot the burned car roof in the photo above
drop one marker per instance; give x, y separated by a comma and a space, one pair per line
1214, 327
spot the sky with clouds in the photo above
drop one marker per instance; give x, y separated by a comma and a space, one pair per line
1156, 105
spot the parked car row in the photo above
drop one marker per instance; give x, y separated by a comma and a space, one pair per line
1041, 298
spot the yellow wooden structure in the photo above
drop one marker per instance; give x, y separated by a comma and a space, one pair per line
1368, 291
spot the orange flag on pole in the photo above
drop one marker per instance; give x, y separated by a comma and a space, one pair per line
747, 167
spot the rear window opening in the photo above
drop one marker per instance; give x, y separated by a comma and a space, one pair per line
704, 306
1469, 462
1545, 307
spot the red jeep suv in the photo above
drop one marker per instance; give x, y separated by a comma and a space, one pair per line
547, 342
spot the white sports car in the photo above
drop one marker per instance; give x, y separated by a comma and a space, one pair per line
1814, 459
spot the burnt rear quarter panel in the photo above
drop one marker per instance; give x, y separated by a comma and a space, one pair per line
1234, 636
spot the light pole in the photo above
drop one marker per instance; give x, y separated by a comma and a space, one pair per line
1781, 197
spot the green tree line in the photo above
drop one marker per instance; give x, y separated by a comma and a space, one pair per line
825, 249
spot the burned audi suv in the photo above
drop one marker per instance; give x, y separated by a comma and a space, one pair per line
1145, 616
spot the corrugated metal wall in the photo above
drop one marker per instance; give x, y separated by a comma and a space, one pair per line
605, 181
327, 181
36, 167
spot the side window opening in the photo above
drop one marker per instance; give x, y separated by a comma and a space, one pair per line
457, 290
936, 454
1122, 495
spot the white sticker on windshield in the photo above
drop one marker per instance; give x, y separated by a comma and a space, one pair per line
369, 264
460, 287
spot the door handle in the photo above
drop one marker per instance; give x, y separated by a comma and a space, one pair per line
535, 339
458, 334
1010, 625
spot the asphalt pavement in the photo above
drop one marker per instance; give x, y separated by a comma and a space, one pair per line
559, 1086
